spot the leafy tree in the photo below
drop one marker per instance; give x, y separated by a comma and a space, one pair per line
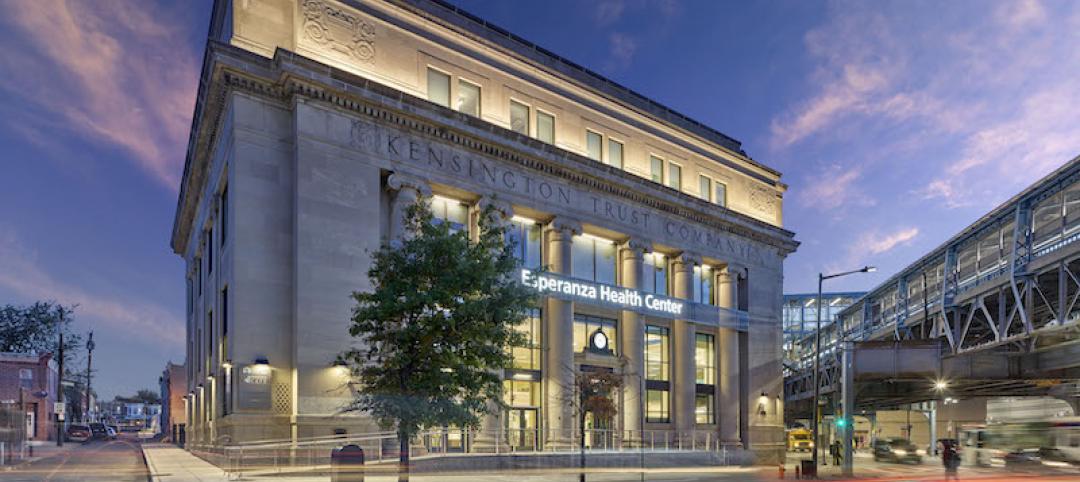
434, 329
36, 328
144, 395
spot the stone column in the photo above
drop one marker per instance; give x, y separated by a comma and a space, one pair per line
632, 343
407, 190
558, 339
492, 437
682, 342
728, 349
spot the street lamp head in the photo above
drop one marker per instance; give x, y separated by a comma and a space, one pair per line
941, 385
869, 269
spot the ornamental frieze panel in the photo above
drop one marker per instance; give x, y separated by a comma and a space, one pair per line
763, 200
335, 29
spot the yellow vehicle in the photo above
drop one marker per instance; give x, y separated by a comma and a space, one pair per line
798, 439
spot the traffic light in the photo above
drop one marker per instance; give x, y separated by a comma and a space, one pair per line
841, 422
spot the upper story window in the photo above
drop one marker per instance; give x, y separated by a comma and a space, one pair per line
527, 357
615, 153
519, 117
654, 273
657, 353
703, 285
224, 213
26, 378
468, 98
210, 250
545, 127
438, 87
720, 196
705, 188
656, 169
593, 258
452, 211
674, 176
525, 234
594, 145
705, 358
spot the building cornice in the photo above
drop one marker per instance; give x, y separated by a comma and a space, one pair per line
289, 76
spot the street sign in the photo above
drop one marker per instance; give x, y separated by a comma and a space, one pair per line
58, 408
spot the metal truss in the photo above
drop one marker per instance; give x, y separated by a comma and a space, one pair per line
1010, 284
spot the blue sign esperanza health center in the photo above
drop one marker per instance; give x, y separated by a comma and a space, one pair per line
573, 289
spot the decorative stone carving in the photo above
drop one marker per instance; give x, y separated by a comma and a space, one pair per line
400, 181
565, 226
363, 135
687, 261
763, 199
339, 30
502, 208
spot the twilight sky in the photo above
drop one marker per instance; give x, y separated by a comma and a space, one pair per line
895, 125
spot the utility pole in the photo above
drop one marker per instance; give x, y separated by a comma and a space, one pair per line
89, 359
60, 384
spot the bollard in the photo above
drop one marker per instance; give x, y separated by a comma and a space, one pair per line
347, 464
797, 474
781, 470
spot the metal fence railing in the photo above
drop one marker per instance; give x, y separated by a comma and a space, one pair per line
313, 454
13, 448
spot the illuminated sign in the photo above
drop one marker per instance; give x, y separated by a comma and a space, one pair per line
547, 283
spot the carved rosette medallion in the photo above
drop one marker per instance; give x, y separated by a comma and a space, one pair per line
763, 200
342, 31
363, 136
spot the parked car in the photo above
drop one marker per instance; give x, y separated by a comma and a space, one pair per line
78, 433
897, 450
99, 432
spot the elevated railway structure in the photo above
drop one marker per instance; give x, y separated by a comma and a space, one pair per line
994, 311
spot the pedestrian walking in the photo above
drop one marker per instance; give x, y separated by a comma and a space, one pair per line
836, 451
951, 460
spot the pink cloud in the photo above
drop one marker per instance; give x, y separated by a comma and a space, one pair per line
21, 274
834, 188
110, 72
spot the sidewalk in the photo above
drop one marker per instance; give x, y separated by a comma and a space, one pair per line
169, 463
42, 450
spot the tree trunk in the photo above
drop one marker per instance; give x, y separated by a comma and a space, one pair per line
581, 444
403, 457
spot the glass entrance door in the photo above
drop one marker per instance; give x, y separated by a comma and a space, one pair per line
521, 429
598, 433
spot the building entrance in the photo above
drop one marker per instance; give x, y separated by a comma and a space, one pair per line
521, 429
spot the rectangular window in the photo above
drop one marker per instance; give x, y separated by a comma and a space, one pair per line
656, 167
521, 393
703, 408
26, 378
703, 285
198, 273
654, 273
594, 145
525, 234
224, 213
614, 153
210, 250
224, 325
593, 258
656, 406
451, 211
468, 98
675, 176
585, 326
519, 118
438, 87
705, 358
705, 188
657, 353
545, 127
528, 357
721, 194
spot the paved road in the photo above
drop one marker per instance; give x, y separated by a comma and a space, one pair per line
118, 460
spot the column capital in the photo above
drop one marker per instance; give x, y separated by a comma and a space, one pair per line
731, 270
400, 181
687, 260
637, 245
502, 208
564, 226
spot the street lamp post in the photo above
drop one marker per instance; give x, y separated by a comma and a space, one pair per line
817, 355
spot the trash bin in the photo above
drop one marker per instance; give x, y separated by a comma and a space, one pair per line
809, 470
347, 464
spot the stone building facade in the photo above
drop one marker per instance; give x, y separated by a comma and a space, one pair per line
319, 121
